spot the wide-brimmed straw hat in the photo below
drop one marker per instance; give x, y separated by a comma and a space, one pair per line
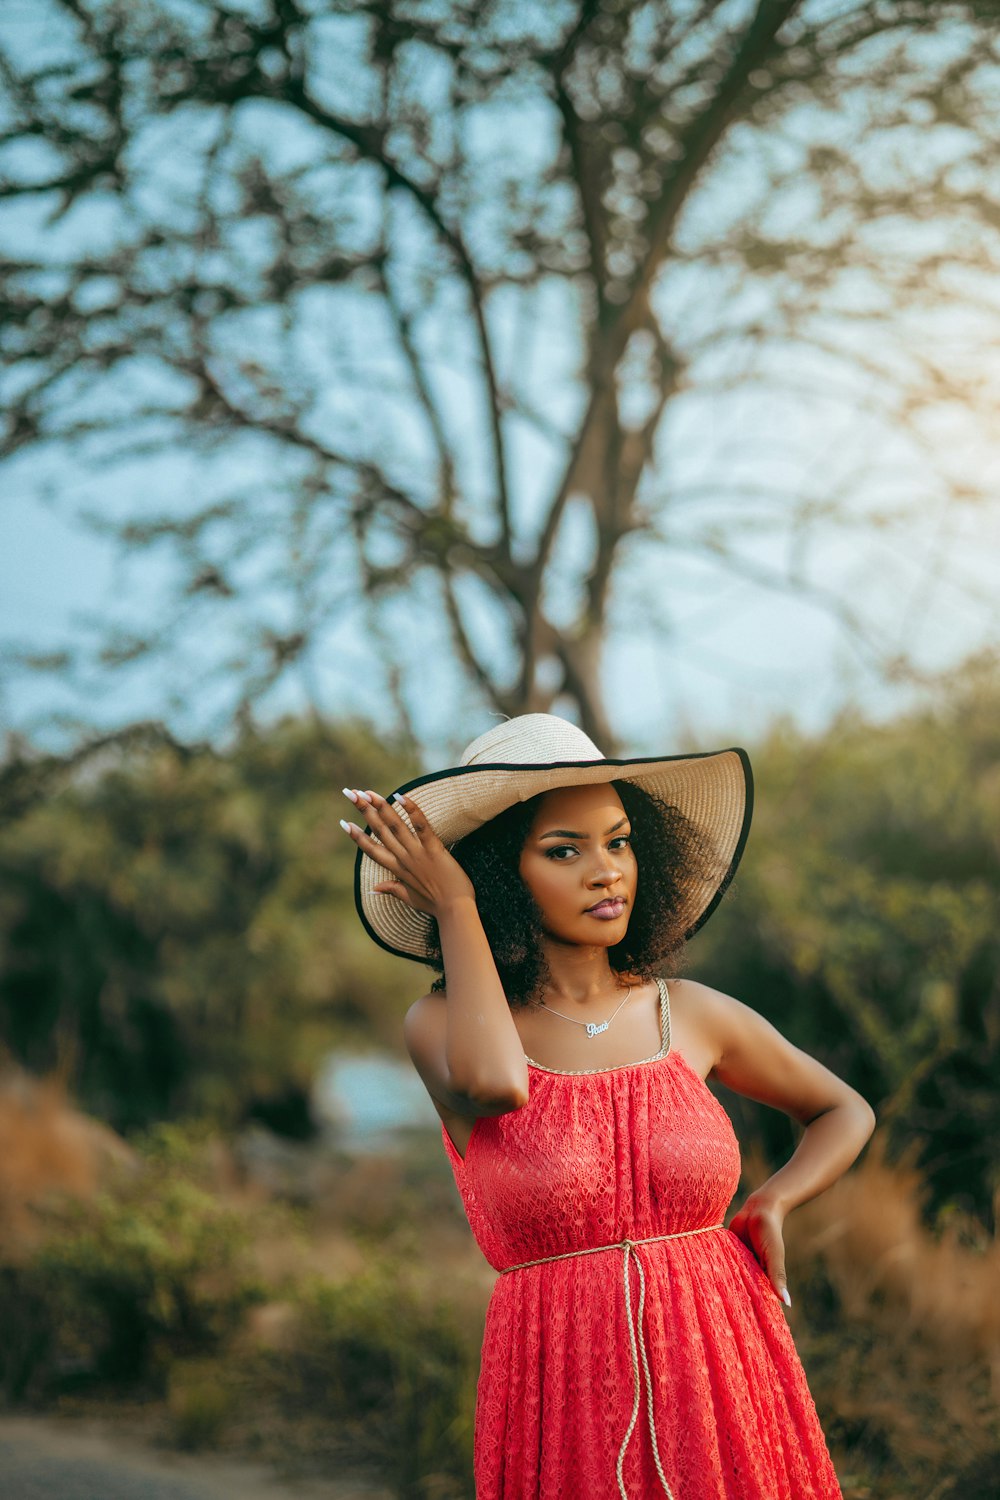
537, 753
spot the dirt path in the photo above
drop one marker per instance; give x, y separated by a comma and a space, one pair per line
45, 1459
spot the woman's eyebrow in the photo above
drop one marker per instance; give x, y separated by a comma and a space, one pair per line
567, 833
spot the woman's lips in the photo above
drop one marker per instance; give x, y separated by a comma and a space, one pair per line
607, 911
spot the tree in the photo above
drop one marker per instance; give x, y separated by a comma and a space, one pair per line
409, 303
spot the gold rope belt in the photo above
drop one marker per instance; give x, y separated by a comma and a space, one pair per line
629, 1247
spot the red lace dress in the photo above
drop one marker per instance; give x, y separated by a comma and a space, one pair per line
658, 1368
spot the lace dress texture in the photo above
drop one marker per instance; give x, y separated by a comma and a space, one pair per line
638, 1370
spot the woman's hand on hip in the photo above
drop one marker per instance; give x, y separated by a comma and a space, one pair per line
759, 1225
423, 874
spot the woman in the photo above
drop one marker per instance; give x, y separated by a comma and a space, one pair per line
551, 886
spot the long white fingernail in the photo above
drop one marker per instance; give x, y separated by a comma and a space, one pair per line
345, 826
785, 1297
348, 793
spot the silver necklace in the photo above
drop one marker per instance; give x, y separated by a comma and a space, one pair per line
593, 1029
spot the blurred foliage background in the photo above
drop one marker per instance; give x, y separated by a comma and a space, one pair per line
178, 925
422, 361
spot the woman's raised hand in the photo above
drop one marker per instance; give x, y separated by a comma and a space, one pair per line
424, 875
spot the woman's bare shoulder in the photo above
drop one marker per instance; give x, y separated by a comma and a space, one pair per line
694, 994
752, 1057
702, 1020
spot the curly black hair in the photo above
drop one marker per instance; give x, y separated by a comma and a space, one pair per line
670, 851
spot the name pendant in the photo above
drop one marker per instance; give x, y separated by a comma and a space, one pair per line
594, 1030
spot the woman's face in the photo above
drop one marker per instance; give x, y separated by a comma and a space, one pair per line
577, 857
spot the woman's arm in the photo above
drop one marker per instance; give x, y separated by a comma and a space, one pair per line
754, 1059
483, 1052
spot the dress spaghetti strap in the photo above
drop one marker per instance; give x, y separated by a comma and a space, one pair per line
664, 1017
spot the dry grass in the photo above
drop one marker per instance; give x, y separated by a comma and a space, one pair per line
899, 1327
47, 1148
870, 1234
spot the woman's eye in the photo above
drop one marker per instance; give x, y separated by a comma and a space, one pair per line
623, 838
559, 849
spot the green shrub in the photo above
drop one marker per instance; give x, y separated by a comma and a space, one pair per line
153, 1269
199, 1400
398, 1367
